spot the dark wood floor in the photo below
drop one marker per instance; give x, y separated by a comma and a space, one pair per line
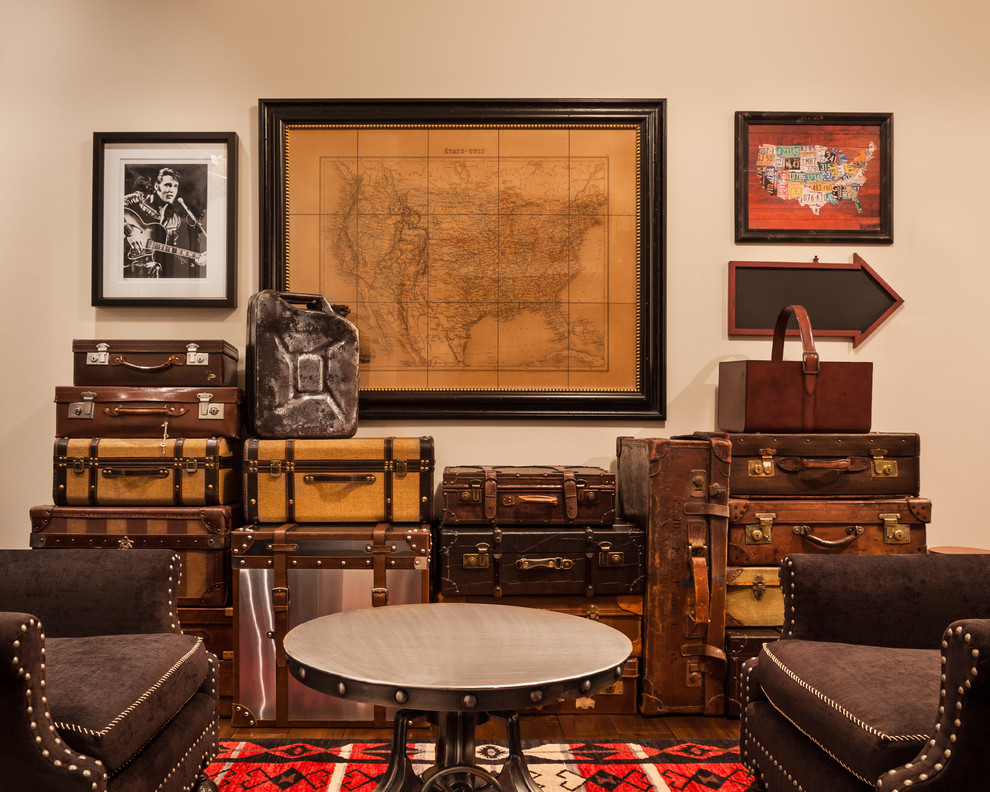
532, 727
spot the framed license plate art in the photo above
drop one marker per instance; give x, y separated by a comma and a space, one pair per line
814, 178
499, 257
164, 220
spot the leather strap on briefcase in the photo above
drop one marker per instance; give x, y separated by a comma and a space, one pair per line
281, 599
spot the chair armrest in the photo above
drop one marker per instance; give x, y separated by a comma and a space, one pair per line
77, 592
32, 756
881, 600
956, 758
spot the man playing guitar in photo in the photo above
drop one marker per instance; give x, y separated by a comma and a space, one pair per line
158, 244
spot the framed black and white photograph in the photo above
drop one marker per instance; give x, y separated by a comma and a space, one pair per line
164, 219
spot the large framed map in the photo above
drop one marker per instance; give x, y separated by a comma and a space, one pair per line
500, 258
824, 177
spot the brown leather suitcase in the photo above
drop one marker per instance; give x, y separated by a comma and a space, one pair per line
216, 627
112, 471
154, 363
128, 411
762, 532
525, 560
623, 612
534, 495
753, 597
742, 644
369, 479
878, 464
287, 574
677, 490
302, 367
200, 535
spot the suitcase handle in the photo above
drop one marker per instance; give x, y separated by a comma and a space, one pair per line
168, 410
550, 500
544, 563
806, 532
151, 472
173, 360
338, 478
797, 464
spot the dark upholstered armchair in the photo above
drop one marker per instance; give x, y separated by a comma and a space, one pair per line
881, 678
99, 688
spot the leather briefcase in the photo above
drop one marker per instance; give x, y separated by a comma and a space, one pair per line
155, 363
804, 395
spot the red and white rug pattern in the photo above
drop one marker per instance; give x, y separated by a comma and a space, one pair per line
331, 766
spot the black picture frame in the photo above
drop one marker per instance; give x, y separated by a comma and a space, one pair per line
851, 204
157, 198
646, 397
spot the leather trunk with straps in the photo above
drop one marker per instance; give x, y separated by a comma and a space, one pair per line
676, 489
199, 534
762, 532
877, 464
370, 479
154, 363
291, 573
534, 495
118, 471
523, 560
148, 412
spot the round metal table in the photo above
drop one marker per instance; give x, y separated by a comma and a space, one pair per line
459, 664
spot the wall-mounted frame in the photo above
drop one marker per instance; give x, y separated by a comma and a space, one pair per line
164, 219
824, 177
501, 258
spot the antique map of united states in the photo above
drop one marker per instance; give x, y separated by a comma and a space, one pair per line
482, 260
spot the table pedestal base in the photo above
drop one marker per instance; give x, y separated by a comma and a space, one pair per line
455, 769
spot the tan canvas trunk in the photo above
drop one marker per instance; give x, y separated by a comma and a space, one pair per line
111, 471
373, 479
753, 597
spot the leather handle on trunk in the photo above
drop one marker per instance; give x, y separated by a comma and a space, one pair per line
173, 360
810, 363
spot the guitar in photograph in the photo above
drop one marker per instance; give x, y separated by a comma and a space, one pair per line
143, 240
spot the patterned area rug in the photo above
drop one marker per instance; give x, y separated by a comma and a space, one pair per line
333, 766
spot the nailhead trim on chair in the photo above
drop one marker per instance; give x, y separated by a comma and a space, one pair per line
208, 731
70, 763
842, 710
934, 768
140, 700
173, 591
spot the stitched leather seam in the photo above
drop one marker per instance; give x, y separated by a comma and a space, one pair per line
840, 709
140, 700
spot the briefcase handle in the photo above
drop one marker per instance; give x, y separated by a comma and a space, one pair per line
314, 302
809, 358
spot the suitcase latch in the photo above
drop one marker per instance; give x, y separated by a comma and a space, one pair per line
196, 358
883, 468
83, 409
762, 533
763, 467
607, 557
209, 411
477, 560
893, 531
471, 495
759, 588
101, 357
125, 543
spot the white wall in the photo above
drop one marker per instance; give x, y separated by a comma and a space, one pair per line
69, 68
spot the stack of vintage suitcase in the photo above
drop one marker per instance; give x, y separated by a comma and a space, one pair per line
545, 537
811, 493
146, 456
333, 522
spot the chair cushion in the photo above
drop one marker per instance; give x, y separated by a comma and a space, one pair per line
870, 708
110, 695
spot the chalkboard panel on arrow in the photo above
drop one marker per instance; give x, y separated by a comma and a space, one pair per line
848, 300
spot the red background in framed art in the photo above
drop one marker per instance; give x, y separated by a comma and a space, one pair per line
768, 211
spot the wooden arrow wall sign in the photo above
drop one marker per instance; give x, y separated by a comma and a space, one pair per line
845, 300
